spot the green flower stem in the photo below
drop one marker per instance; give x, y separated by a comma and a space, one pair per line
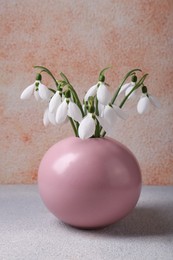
97, 131
130, 73
85, 108
73, 126
97, 109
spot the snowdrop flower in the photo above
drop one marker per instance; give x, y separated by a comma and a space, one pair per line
55, 101
92, 91
68, 108
101, 91
145, 101
106, 120
87, 126
127, 87
111, 113
48, 118
103, 94
109, 117
39, 90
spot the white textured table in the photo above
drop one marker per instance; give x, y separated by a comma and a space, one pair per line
29, 231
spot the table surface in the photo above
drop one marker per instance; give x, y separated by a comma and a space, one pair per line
29, 231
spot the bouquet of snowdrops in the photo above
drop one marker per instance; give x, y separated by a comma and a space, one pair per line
95, 116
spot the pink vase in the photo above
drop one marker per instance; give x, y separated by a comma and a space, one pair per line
89, 183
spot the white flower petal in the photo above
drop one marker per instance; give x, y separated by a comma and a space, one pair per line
51, 117
127, 91
61, 113
106, 126
36, 95
120, 112
54, 102
143, 104
101, 109
103, 94
45, 118
126, 86
110, 115
74, 112
87, 127
154, 101
43, 91
91, 92
27, 93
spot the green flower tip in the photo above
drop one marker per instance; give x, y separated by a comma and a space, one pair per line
144, 90
38, 77
102, 78
68, 94
134, 78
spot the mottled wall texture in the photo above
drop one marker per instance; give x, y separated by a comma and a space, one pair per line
80, 37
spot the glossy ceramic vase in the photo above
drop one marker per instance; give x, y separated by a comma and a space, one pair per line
89, 183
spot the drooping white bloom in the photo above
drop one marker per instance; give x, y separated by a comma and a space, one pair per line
101, 109
91, 92
120, 113
87, 127
111, 112
42, 91
144, 103
102, 92
36, 95
55, 102
27, 93
48, 118
106, 126
109, 117
126, 88
74, 112
68, 108
61, 113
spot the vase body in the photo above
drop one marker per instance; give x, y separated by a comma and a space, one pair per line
89, 183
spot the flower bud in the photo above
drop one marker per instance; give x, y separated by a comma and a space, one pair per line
38, 77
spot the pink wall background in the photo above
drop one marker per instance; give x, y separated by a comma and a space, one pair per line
80, 38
